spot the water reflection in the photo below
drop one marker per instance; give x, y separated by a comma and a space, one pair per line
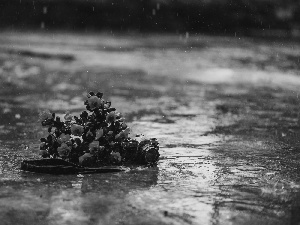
81, 199
184, 191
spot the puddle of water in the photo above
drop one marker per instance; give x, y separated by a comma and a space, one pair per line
228, 145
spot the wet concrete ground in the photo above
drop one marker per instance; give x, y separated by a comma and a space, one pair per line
224, 109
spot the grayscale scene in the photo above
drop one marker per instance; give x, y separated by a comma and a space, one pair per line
149, 112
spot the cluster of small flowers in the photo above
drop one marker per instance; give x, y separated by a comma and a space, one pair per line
98, 137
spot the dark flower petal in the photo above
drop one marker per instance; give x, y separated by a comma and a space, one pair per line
49, 138
99, 94
84, 115
77, 141
88, 108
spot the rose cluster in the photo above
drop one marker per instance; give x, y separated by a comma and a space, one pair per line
97, 137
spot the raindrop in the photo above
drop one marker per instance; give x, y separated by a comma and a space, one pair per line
187, 35
45, 10
18, 116
158, 6
153, 12
42, 25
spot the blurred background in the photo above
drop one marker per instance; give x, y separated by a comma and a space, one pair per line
247, 17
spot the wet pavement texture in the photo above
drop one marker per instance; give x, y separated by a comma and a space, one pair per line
224, 109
